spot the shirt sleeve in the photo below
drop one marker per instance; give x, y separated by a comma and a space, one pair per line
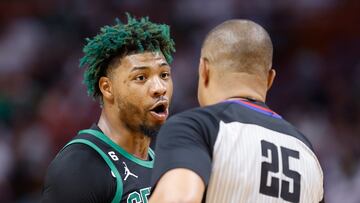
78, 174
184, 141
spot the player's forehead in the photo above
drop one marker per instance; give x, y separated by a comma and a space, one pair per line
145, 59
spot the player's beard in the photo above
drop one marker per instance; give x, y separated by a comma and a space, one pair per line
135, 119
150, 131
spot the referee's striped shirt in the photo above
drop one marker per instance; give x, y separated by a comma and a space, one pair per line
243, 151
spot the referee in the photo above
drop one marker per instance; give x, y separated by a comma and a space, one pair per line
129, 74
235, 149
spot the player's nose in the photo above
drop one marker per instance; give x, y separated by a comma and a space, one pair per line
157, 87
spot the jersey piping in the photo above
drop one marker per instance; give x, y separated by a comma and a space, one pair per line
257, 108
107, 140
119, 184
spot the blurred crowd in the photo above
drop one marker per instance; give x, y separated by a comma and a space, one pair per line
43, 102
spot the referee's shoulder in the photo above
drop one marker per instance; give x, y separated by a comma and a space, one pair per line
210, 112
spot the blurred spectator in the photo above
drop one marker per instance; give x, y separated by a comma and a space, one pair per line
43, 101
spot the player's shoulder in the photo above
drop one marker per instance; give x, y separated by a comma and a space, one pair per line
74, 172
76, 153
76, 159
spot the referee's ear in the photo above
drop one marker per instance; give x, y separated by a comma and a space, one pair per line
105, 87
204, 71
271, 77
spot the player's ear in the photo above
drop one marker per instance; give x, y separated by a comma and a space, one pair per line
271, 77
204, 71
106, 89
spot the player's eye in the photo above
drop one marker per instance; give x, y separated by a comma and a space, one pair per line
165, 75
140, 78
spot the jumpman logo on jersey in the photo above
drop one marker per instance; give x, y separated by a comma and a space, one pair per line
127, 172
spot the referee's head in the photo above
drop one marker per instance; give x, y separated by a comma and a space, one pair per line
236, 61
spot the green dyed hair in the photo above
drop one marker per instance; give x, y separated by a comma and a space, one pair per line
137, 36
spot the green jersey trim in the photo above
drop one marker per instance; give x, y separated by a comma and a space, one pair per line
107, 140
151, 153
119, 183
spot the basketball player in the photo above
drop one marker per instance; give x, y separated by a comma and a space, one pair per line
129, 74
234, 149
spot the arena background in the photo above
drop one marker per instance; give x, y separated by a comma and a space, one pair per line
43, 102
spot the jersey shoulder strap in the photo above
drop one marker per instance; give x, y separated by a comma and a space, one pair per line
101, 136
119, 183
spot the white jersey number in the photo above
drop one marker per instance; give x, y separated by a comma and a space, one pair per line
113, 156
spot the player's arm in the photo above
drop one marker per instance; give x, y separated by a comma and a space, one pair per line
183, 161
179, 185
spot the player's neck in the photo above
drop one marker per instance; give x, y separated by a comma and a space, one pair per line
134, 143
138, 145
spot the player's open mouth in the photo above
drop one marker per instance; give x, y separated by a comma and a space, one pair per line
160, 111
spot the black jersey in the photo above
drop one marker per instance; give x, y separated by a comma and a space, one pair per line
92, 168
243, 151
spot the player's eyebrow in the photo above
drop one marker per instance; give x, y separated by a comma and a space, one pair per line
146, 67
164, 64
139, 68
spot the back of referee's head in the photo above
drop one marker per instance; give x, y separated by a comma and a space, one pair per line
236, 61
